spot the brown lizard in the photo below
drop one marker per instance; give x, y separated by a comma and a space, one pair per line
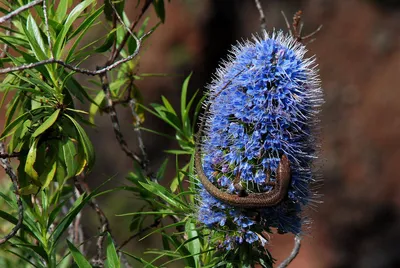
251, 200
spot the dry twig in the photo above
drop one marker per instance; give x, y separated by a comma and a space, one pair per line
19, 10
293, 254
5, 163
263, 21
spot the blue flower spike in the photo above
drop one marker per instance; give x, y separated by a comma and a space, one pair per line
262, 106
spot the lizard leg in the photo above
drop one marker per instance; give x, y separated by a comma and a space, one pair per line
268, 181
238, 186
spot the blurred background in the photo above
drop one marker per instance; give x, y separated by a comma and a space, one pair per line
358, 52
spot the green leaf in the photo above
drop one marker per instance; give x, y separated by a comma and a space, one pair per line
142, 29
69, 154
177, 181
54, 213
46, 124
166, 116
48, 176
76, 89
140, 260
184, 96
184, 252
75, 209
160, 229
23, 258
37, 249
186, 119
132, 44
66, 221
79, 259
62, 9
177, 152
160, 191
34, 36
168, 105
13, 124
161, 171
73, 15
82, 29
112, 256
85, 142
87, 23
194, 245
31, 159
94, 107
110, 39
109, 10
159, 8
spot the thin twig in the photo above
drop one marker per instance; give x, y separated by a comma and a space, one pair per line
5, 163
78, 232
7, 33
71, 232
293, 254
111, 109
19, 10
105, 225
12, 155
287, 23
136, 128
115, 123
297, 27
262, 16
74, 68
116, 53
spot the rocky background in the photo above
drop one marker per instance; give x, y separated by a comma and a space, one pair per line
358, 51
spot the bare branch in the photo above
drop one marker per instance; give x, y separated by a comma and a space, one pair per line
5, 163
287, 23
77, 226
136, 125
74, 68
293, 254
105, 225
114, 119
262, 16
5, 47
297, 26
6, 155
132, 103
19, 10
116, 53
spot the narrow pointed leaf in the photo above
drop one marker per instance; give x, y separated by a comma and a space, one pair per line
46, 124
79, 259
30, 161
112, 256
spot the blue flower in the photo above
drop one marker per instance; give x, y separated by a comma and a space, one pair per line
263, 104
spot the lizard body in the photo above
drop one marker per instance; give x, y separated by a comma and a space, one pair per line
251, 200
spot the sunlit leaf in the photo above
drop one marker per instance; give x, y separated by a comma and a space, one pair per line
112, 256
79, 259
31, 159
46, 124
